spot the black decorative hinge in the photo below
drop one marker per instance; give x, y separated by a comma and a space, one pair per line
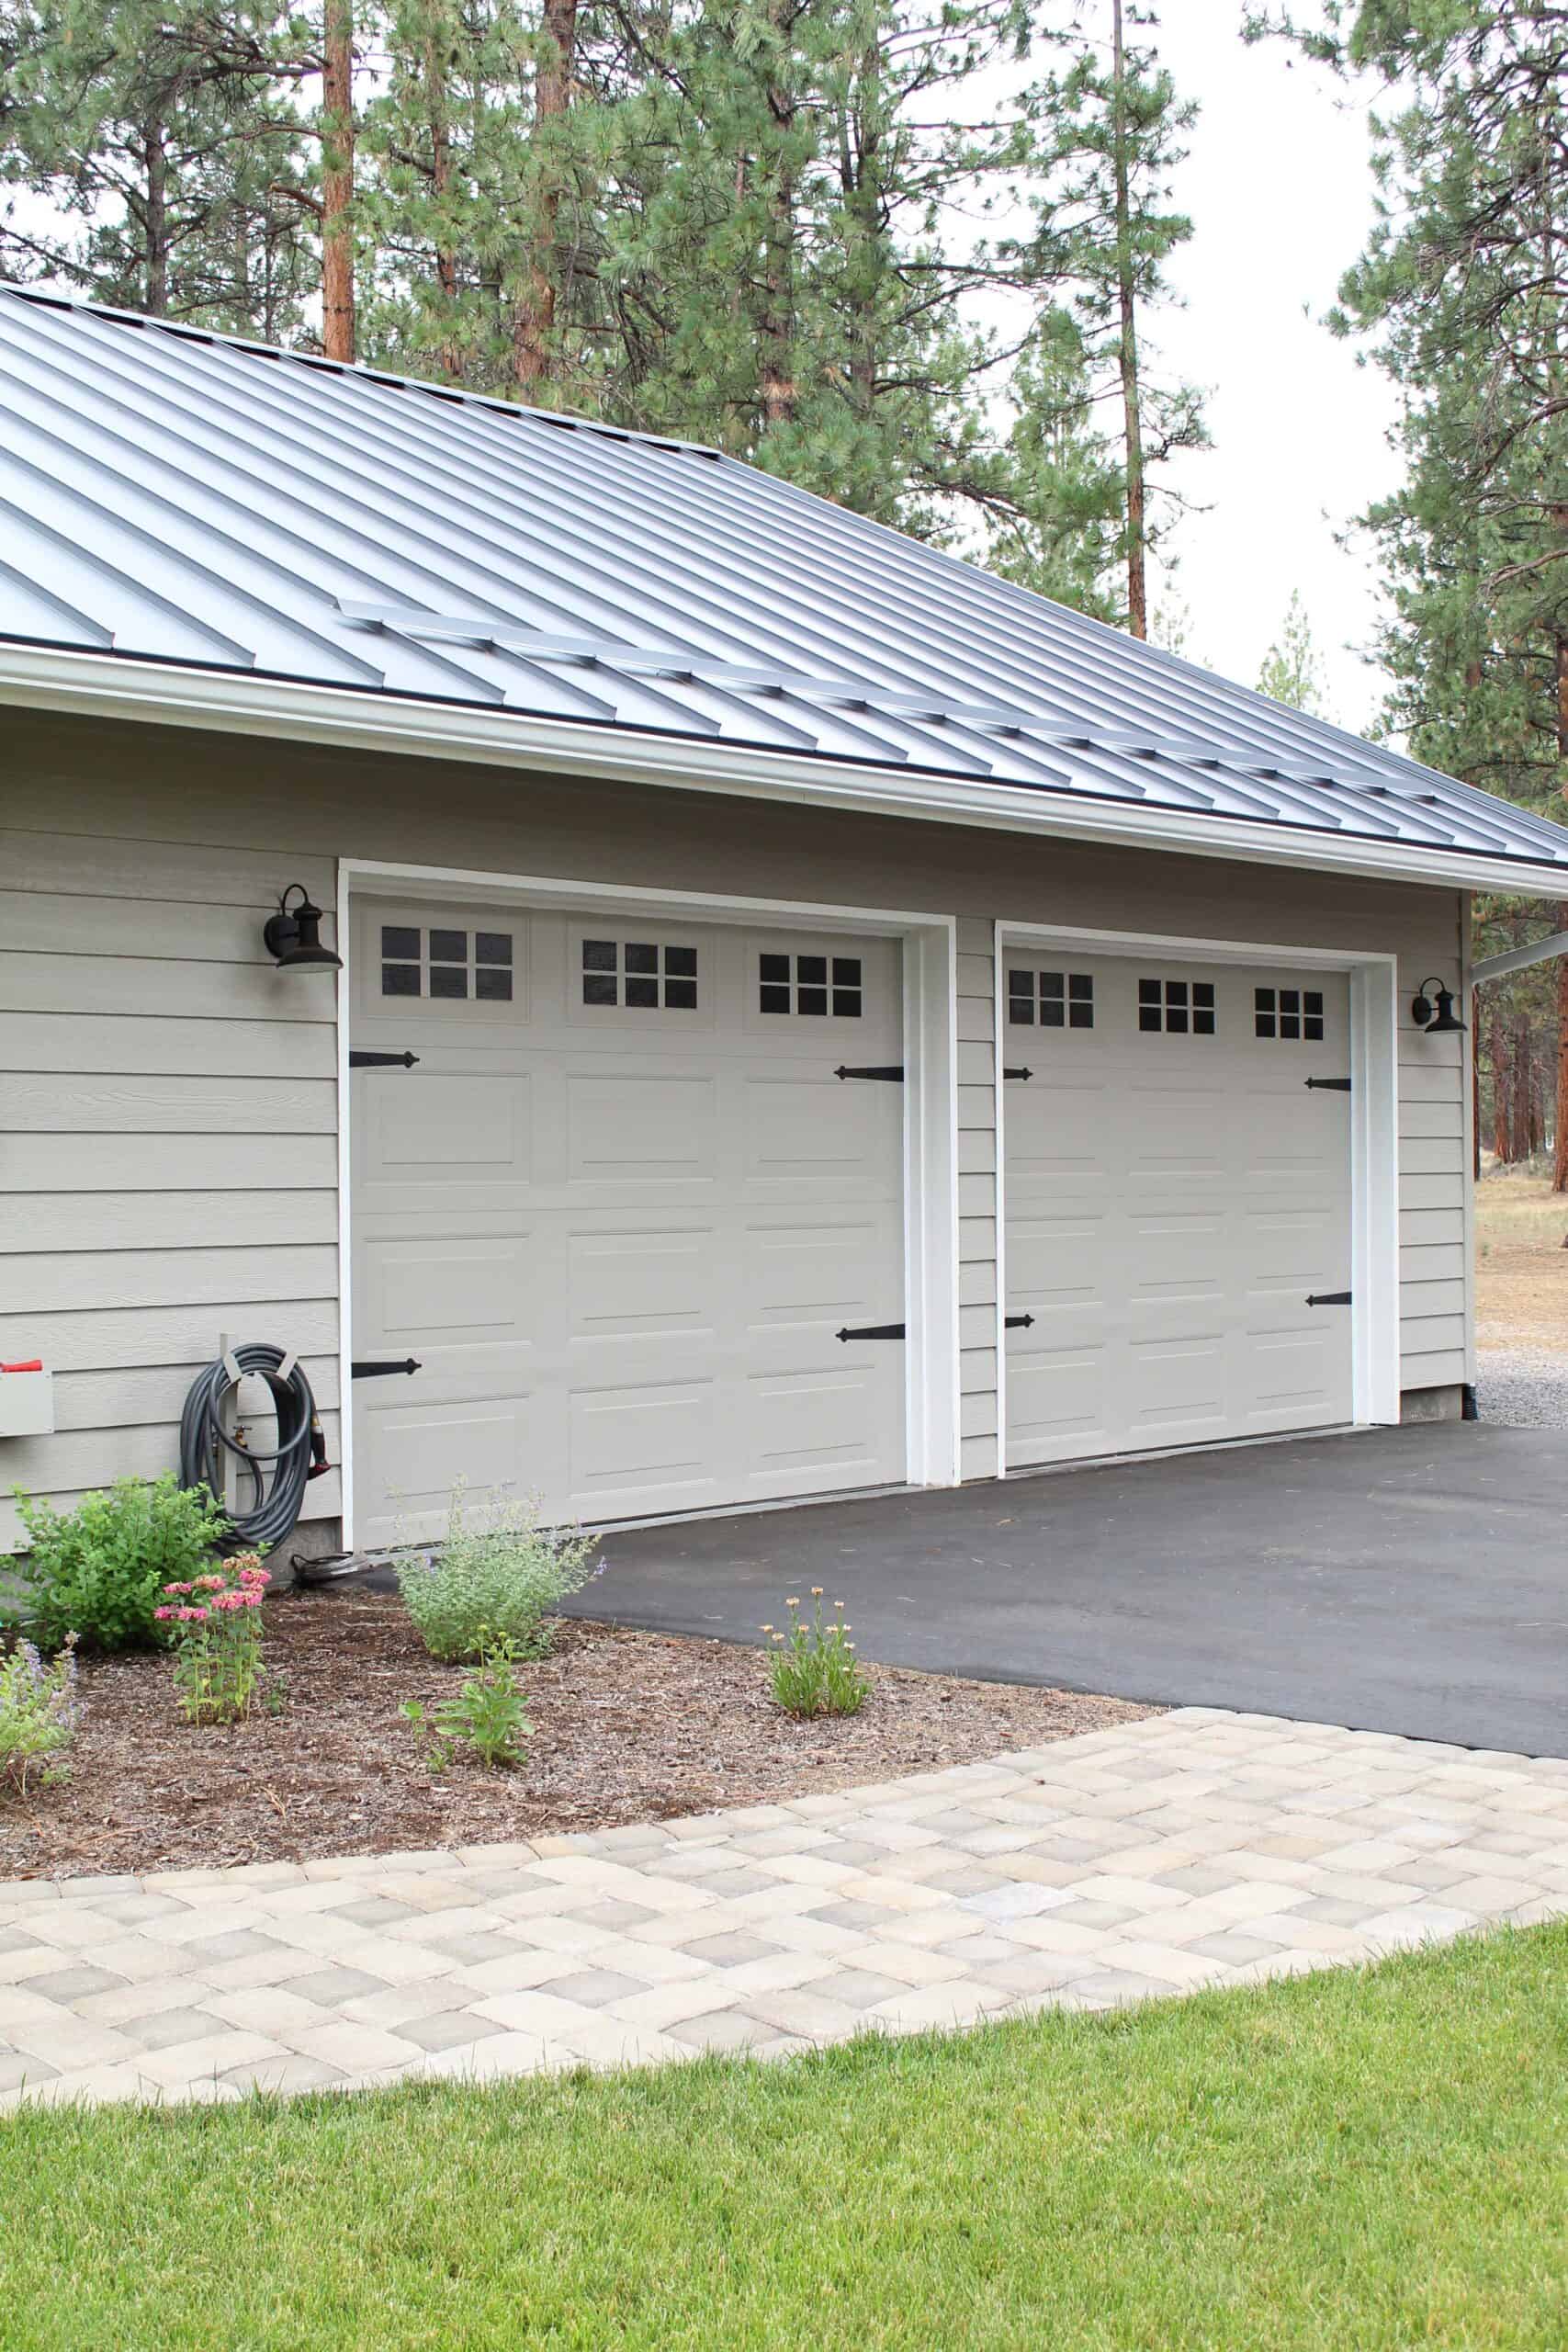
1012, 1069
379, 1370
893, 1071
874, 1331
1328, 1298
1330, 1085
1017, 1322
357, 1060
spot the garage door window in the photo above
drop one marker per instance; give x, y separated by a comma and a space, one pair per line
444, 963
812, 984
638, 973
1054, 999
1179, 1008
1288, 1013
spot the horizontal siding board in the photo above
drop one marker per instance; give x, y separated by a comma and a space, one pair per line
977, 1107
159, 985
1429, 1262
1441, 1118
157, 1220
1433, 1156
61, 923
978, 1458
1421, 1083
151, 1044
1425, 1227
976, 936
1445, 1370
977, 1151
195, 1163
976, 975
94, 861
977, 1284
976, 1020
1418, 1299
1432, 1192
99, 1280
978, 1416
976, 1064
126, 1337
133, 1397
977, 1238
977, 1326
167, 1106
977, 1193
977, 1369
66, 1463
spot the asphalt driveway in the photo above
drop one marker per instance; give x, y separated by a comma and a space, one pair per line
1409, 1581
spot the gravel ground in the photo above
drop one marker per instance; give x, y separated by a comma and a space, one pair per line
1525, 1388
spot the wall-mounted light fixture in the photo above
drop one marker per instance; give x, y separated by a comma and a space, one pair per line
1438, 1018
293, 935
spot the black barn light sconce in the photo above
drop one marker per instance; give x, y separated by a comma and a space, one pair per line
293, 935
1438, 1018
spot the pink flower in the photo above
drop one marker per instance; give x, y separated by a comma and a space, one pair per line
248, 1600
192, 1616
164, 1613
207, 1584
170, 1588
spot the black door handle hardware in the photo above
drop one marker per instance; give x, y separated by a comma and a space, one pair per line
1012, 1069
358, 1060
372, 1370
874, 1331
1017, 1322
893, 1071
1328, 1298
1330, 1085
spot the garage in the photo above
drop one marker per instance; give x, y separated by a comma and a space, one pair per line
623, 1213
1177, 1184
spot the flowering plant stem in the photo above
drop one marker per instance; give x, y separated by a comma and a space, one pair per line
812, 1666
214, 1622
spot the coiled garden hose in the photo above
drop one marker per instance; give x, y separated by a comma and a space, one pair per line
278, 1479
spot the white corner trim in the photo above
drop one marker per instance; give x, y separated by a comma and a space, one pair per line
1374, 1131
98, 685
929, 943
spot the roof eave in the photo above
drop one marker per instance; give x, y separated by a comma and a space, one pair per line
106, 685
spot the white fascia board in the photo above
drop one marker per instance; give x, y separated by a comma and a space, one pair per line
165, 694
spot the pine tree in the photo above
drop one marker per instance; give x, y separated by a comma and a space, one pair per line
1292, 670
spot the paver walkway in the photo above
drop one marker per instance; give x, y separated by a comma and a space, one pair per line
1193, 1847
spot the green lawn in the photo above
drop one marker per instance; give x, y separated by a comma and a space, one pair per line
1352, 2161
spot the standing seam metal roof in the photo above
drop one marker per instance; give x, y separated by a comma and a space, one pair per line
176, 496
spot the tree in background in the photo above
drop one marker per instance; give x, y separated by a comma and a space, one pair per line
1292, 670
1464, 290
1107, 230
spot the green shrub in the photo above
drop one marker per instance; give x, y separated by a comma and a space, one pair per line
486, 1715
38, 1715
813, 1667
499, 1576
100, 1570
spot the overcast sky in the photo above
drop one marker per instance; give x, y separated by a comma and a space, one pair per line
1278, 188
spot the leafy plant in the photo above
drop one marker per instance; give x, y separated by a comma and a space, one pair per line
98, 1570
214, 1621
812, 1666
38, 1714
486, 1715
499, 1576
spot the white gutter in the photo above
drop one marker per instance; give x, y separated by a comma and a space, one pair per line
101, 685
1517, 959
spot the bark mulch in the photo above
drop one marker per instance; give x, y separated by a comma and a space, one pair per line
628, 1727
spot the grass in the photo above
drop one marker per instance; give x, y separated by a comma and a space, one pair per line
1360, 2160
1521, 1266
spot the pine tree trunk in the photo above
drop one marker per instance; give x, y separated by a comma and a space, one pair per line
1498, 1054
1519, 1092
1137, 593
533, 361
157, 221
441, 181
337, 181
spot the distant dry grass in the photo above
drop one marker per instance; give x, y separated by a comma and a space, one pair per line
1521, 1271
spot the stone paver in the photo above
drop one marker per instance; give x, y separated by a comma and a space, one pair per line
1196, 1848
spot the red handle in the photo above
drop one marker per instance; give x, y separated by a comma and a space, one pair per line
36, 1365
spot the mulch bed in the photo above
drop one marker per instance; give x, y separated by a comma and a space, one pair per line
628, 1727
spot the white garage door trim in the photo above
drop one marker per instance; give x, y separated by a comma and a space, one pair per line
931, 1116
1374, 1133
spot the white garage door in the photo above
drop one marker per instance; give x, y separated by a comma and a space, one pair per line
1175, 1194
619, 1212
